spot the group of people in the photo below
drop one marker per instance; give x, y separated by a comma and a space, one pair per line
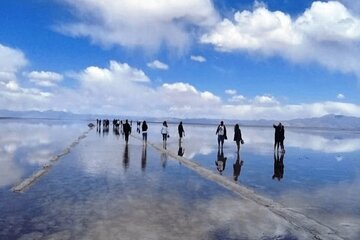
220, 132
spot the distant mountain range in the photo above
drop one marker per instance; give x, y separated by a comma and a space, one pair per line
330, 121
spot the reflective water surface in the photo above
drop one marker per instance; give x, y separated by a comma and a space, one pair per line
105, 189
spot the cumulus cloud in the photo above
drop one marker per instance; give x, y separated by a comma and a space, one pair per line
158, 65
44, 78
11, 60
149, 24
13, 95
200, 59
123, 89
327, 33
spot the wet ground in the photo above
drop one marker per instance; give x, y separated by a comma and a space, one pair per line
103, 189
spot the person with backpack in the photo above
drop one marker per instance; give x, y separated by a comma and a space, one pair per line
221, 132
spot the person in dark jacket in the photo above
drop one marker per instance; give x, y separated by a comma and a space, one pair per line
181, 131
279, 137
127, 130
237, 137
144, 128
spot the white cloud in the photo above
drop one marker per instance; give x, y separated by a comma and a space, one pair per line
13, 95
326, 33
44, 78
149, 24
120, 88
230, 91
265, 100
117, 72
200, 59
158, 65
237, 99
340, 96
11, 60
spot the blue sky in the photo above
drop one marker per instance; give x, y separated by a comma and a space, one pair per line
276, 59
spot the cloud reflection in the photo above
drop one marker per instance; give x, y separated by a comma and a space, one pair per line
27, 145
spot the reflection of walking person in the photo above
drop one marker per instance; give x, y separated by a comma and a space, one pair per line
221, 161
165, 133
144, 128
278, 166
143, 158
279, 137
127, 130
237, 137
181, 131
237, 167
181, 150
221, 132
126, 161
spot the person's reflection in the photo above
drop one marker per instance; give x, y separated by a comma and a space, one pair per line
237, 167
221, 161
181, 150
116, 132
163, 159
278, 166
126, 160
143, 158
105, 131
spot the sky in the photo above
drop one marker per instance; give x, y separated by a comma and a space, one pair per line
222, 59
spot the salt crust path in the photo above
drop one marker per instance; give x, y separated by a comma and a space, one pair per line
312, 228
26, 183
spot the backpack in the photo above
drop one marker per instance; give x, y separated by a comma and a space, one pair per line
221, 130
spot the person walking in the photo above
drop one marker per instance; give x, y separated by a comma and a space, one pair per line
221, 132
181, 131
165, 133
237, 137
127, 130
144, 128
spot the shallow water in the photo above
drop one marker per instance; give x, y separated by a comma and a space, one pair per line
105, 190
320, 175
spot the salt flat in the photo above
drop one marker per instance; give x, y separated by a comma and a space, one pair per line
102, 189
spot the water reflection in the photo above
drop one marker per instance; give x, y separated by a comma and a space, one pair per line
163, 159
26, 145
278, 165
126, 159
181, 150
221, 161
143, 157
237, 167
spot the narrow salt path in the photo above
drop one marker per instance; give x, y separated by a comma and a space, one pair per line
26, 183
300, 222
